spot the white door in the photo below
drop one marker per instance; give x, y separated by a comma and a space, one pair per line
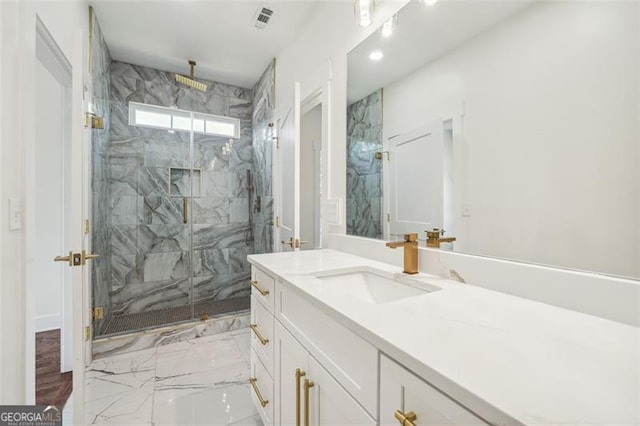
289, 175
416, 187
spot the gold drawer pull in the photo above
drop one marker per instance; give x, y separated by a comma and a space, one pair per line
406, 419
254, 327
308, 384
299, 374
262, 291
253, 382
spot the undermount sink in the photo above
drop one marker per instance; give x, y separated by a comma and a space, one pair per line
372, 285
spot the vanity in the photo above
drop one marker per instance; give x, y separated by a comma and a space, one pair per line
341, 339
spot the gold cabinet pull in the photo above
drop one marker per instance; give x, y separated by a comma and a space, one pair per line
261, 290
299, 374
406, 419
308, 384
254, 327
254, 385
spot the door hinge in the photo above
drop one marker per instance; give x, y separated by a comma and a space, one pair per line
277, 142
86, 227
98, 312
93, 121
87, 333
277, 221
388, 217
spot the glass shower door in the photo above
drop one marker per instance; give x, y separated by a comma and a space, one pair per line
145, 224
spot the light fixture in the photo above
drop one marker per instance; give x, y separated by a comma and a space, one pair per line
430, 2
364, 12
376, 55
389, 26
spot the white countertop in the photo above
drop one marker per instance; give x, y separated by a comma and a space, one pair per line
495, 353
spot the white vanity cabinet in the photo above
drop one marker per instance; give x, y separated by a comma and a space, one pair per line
307, 393
262, 344
405, 395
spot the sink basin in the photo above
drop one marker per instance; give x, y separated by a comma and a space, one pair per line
371, 285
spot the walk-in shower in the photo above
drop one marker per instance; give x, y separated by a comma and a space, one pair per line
172, 200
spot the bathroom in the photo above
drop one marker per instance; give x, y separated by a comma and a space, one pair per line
519, 306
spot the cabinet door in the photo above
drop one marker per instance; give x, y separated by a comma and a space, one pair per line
401, 390
329, 403
290, 357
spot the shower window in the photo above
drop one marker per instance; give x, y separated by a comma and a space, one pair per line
157, 117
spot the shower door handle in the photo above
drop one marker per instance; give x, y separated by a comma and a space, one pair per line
185, 210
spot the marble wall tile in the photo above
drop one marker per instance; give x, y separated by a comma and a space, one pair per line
123, 180
239, 210
124, 270
217, 184
262, 135
163, 210
124, 239
161, 266
210, 262
163, 238
220, 236
126, 210
211, 210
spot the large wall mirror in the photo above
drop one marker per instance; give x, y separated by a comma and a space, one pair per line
512, 127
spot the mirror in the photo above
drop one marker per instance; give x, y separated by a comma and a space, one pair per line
512, 126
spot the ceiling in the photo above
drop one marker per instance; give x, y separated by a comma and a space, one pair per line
422, 35
218, 34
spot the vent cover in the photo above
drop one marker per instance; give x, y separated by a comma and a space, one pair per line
263, 16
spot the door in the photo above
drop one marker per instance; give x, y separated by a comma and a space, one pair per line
289, 175
291, 370
415, 169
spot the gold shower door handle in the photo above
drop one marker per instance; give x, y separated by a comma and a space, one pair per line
299, 374
307, 385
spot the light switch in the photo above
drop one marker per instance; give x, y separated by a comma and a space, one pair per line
466, 210
15, 214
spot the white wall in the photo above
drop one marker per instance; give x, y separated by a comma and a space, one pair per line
49, 238
551, 134
17, 143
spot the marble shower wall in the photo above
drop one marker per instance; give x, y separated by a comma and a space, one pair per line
100, 218
150, 262
364, 172
263, 107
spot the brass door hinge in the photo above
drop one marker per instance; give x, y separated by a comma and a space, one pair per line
277, 142
86, 227
98, 312
388, 217
87, 333
277, 221
93, 121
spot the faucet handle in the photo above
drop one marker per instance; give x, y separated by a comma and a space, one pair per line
409, 238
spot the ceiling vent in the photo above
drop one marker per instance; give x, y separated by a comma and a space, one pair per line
262, 17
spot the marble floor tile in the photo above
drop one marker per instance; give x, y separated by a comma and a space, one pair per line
198, 381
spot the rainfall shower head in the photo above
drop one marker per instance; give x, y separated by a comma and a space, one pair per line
190, 81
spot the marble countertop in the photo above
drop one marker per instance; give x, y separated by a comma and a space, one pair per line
509, 359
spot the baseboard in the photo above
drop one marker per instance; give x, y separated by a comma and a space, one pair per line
48, 322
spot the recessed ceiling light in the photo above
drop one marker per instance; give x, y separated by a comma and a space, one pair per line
376, 55
430, 2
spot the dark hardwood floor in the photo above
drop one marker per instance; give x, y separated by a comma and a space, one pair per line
52, 387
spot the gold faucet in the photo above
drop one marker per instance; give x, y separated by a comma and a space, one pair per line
434, 240
410, 245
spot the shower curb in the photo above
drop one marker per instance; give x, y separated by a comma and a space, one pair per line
146, 339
